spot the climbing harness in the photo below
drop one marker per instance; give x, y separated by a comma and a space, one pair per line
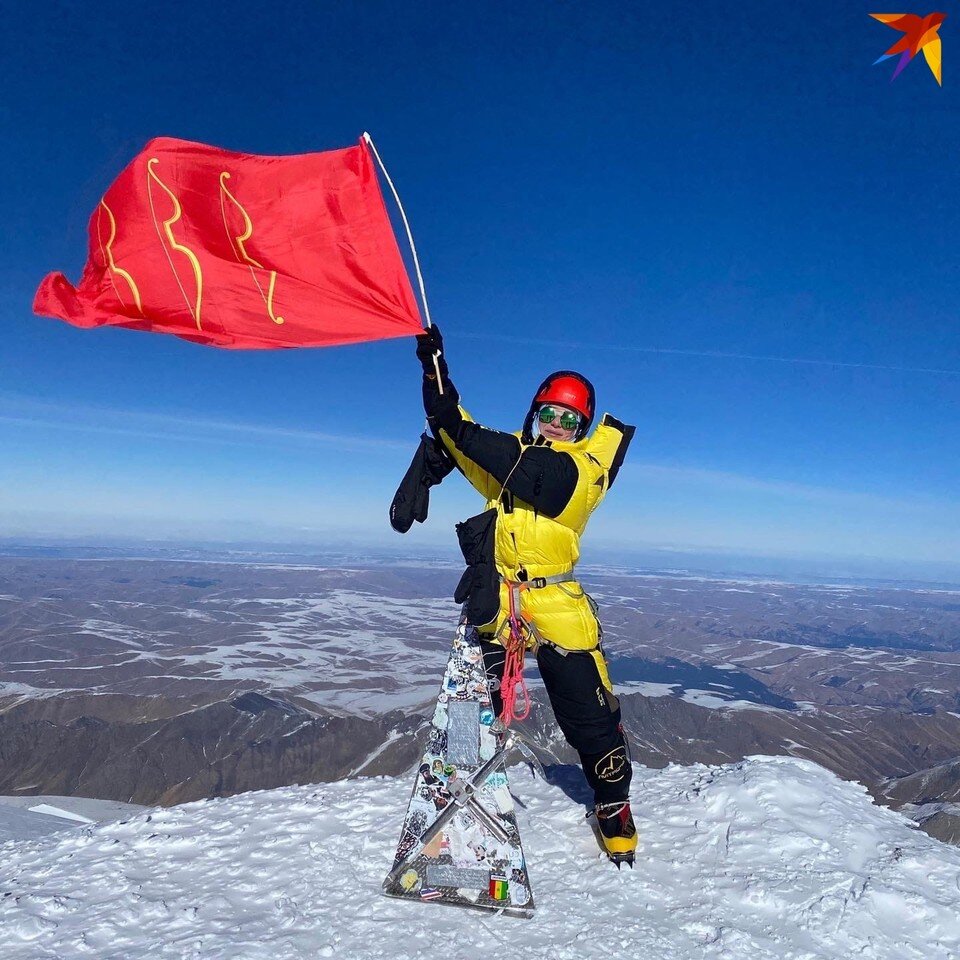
521, 634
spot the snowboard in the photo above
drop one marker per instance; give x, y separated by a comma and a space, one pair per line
460, 843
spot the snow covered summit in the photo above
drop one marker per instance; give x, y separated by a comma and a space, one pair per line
768, 858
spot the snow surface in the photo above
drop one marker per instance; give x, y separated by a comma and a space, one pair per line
25, 818
771, 857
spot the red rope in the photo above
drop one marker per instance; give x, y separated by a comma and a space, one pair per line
516, 649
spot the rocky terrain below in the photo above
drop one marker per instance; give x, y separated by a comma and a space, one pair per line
161, 682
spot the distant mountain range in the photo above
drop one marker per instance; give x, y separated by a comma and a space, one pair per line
160, 681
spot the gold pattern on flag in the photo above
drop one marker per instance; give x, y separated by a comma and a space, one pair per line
107, 254
179, 247
240, 251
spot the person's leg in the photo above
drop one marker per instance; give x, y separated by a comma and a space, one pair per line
589, 716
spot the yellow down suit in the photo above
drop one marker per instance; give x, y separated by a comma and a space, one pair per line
540, 495
529, 543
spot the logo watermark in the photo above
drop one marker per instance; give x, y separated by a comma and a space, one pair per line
919, 33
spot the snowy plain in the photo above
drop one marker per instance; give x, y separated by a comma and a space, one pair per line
766, 859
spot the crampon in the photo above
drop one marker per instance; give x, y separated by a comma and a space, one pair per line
618, 833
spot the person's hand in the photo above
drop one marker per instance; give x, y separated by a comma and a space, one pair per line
440, 397
429, 345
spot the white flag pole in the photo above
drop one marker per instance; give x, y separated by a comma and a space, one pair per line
413, 250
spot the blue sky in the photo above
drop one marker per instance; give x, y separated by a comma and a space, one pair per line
723, 214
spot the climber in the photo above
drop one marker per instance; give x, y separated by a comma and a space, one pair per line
541, 485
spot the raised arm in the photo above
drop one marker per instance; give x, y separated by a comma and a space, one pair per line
445, 408
539, 476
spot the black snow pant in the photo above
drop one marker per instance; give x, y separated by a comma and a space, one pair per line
588, 714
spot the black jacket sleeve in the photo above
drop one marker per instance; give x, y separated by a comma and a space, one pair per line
442, 409
544, 478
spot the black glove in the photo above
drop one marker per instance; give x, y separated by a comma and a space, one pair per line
431, 463
430, 345
442, 408
479, 585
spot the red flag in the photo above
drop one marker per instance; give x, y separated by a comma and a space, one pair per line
237, 250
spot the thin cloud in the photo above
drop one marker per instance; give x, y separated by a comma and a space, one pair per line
158, 426
720, 354
722, 480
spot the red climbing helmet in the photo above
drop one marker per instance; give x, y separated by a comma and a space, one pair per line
570, 389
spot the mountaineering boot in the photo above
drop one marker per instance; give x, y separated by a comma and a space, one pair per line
617, 831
